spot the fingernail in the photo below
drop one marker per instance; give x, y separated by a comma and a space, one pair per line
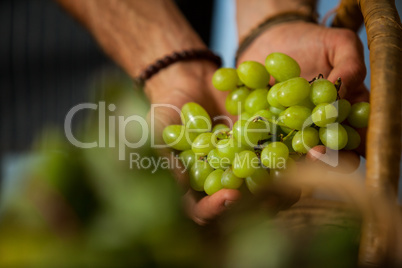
229, 203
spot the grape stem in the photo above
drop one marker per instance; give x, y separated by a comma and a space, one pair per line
287, 136
337, 85
317, 77
276, 122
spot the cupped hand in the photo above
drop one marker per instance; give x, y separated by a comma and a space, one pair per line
170, 89
332, 52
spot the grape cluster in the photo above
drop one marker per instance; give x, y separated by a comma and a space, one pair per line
277, 124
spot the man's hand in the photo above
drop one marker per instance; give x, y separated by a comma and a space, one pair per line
181, 83
318, 50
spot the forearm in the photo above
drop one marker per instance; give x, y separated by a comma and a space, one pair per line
250, 13
135, 33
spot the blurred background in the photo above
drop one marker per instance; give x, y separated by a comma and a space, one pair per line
49, 64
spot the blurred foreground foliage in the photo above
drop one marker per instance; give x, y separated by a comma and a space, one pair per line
86, 208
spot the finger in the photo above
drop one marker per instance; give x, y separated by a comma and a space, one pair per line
347, 59
204, 209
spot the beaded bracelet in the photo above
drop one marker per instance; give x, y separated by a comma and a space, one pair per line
271, 21
185, 55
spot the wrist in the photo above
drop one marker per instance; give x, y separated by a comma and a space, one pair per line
190, 78
252, 13
271, 23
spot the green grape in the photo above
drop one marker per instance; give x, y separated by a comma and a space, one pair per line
248, 132
176, 137
195, 118
256, 100
219, 127
213, 183
343, 107
245, 164
307, 103
334, 136
253, 74
283, 173
229, 148
235, 100
274, 155
188, 158
283, 129
281, 66
322, 91
305, 139
244, 116
296, 117
293, 91
216, 161
198, 174
204, 143
276, 111
288, 143
258, 181
267, 115
225, 79
353, 138
359, 115
272, 97
324, 114
230, 180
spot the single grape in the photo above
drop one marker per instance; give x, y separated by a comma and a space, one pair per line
334, 136
274, 155
253, 74
353, 138
195, 118
359, 115
176, 137
324, 114
225, 79
228, 148
219, 127
282, 128
283, 173
343, 107
266, 115
296, 117
281, 66
307, 103
245, 164
235, 100
230, 180
256, 100
248, 132
322, 91
272, 97
244, 116
213, 183
258, 181
276, 111
204, 143
288, 142
188, 158
293, 91
198, 174
305, 139
216, 161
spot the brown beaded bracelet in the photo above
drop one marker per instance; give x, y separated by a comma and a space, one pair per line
185, 55
271, 21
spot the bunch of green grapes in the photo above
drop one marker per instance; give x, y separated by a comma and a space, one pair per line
277, 124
